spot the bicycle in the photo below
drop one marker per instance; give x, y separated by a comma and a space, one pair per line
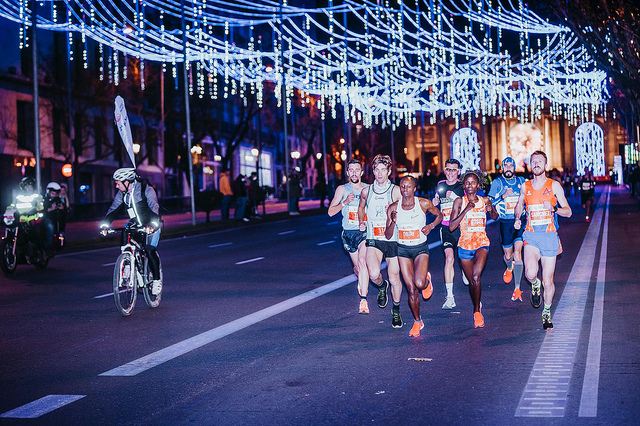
131, 273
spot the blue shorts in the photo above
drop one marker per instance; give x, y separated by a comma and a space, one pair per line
469, 254
547, 242
508, 234
351, 239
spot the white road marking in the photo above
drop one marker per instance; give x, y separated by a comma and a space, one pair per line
324, 243
220, 245
102, 296
589, 398
109, 264
163, 355
546, 391
255, 259
41, 406
333, 223
286, 232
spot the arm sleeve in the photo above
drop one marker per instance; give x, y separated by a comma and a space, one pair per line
152, 201
113, 209
495, 192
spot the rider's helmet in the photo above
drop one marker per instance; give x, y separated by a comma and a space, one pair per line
125, 174
53, 186
27, 181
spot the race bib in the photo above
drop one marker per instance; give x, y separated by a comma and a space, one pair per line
476, 221
378, 230
353, 215
539, 215
408, 235
446, 208
510, 203
586, 186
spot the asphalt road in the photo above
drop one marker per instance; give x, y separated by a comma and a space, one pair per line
258, 325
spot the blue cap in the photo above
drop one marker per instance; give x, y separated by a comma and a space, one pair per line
508, 160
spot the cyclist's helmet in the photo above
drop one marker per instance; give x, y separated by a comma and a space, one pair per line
27, 181
53, 186
125, 174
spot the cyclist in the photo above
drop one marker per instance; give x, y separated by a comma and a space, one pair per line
141, 203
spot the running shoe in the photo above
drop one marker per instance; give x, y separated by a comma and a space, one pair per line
156, 287
546, 321
428, 291
478, 320
517, 295
382, 294
396, 320
535, 294
417, 326
508, 275
364, 307
464, 278
449, 303
587, 219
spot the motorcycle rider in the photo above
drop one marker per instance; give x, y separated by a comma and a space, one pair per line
28, 207
141, 203
54, 207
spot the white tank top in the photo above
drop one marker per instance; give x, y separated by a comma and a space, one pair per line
378, 200
409, 224
350, 211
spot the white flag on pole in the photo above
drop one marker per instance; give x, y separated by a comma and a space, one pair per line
122, 121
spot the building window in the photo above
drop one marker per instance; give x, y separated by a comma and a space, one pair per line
25, 126
248, 163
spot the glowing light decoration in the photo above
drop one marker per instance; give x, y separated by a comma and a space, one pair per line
590, 149
380, 63
466, 149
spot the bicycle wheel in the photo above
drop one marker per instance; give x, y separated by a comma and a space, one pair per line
153, 300
124, 283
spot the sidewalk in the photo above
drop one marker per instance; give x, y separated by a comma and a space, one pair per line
84, 235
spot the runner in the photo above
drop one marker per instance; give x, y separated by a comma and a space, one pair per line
374, 201
504, 194
447, 191
413, 249
541, 197
470, 214
347, 200
587, 184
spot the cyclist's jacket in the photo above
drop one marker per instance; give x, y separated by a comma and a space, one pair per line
28, 207
143, 208
505, 206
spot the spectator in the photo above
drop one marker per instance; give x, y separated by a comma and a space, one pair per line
227, 194
634, 178
240, 192
321, 191
253, 190
296, 192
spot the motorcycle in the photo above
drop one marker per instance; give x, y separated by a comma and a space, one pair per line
22, 243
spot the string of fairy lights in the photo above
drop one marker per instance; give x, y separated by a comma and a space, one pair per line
383, 61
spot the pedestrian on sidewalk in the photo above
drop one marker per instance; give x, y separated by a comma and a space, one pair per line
240, 192
227, 194
296, 191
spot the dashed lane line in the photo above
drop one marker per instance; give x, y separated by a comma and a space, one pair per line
589, 398
325, 243
255, 259
286, 232
220, 245
546, 391
41, 406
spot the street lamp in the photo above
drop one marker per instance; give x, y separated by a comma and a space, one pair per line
295, 154
136, 148
318, 155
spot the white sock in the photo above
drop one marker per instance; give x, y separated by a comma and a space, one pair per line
449, 289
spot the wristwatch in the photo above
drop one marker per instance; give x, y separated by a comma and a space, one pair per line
555, 209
